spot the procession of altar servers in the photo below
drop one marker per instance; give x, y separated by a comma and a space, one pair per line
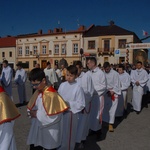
99, 95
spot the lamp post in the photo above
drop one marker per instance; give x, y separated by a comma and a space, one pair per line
81, 53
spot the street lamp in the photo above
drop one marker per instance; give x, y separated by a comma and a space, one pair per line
81, 53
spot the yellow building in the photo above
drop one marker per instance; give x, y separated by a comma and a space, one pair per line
108, 43
53, 46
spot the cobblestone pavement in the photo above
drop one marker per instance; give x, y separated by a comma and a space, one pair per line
132, 133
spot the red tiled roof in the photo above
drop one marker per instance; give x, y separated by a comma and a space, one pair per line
8, 42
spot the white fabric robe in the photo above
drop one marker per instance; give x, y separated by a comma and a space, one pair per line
7, 139
122, 101
148, 83
45, 131
50, 76
73, 94
6, 79
97, 103
110, 106
86, 83
20, 79
142, 76
58, 75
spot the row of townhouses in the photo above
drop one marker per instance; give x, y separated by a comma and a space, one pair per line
106, 43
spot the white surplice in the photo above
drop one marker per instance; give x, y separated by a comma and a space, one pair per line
97, 103
142, 76
45, 131
86, 83
122, 101
73, 94
7, 139
50, 76
148, 83
20, 79
6, 80
110, 106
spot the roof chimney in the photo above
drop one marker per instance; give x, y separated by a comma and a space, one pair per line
56, 30
81, 28
50, 31
40, 32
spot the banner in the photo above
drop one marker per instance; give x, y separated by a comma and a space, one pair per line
138, 46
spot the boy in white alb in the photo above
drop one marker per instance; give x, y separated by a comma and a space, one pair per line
111, 97
73, 94
8, 113
6, 78
139, 78
20, 79
97, 103
85, 80
125, 83
46, 109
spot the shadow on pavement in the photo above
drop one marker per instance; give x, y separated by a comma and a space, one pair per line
19, 104
90, 144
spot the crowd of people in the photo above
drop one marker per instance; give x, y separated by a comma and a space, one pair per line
69, 103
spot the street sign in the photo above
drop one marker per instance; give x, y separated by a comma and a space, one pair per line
138, 45
117, 52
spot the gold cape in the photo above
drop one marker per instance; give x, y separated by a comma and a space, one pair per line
53, 103
8, 110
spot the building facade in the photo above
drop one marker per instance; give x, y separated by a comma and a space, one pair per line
108, 43
41, 48
8, 50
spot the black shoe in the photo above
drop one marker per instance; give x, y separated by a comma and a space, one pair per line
99, 135
79, 146
137, 112
125, 114
91, 132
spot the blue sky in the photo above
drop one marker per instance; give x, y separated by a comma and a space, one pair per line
28, 16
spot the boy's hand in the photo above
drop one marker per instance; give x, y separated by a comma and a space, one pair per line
33, 113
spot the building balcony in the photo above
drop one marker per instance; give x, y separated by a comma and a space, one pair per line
105, 51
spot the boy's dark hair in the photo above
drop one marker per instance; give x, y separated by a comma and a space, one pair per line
48, 63
6, 62
79, 63
122, 66
106, 64
36, 74
139, 62
93, 59
72, 69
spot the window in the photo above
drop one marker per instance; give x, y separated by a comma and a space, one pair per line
91, 44
63, 49
56, 49
10, 54
34, 62
34, 50
27, 50
3, 54
122, 43
44, 49
75, 48
20, 51
106, 45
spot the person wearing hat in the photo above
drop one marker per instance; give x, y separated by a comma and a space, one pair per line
20, 79
6, 78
